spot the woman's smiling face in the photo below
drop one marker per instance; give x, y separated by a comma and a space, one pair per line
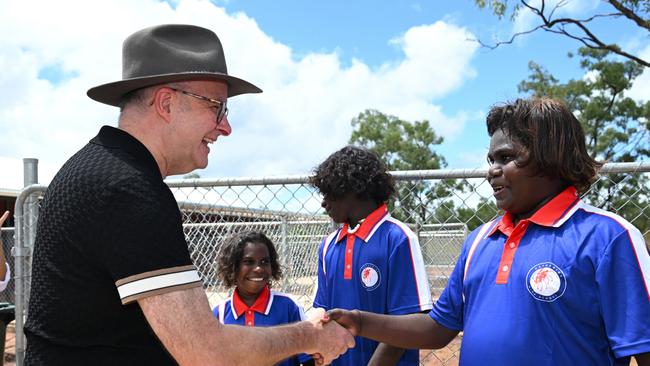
518, 189
254, 270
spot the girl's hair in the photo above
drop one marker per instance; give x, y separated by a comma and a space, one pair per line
232, 252
354, 170
553, 136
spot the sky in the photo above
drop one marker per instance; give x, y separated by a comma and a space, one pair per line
320, 64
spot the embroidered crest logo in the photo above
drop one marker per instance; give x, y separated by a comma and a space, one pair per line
370, 276
546, 282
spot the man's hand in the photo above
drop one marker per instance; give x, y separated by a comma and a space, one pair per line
349, 319
316, 314
333, 339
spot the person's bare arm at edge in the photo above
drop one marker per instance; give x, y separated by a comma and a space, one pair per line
386, 355
184, 323
405, 331
643, 359
3, 266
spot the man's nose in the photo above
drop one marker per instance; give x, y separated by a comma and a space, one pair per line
224, 127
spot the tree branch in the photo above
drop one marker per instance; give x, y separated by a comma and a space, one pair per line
598, 43
589, 39
630, 14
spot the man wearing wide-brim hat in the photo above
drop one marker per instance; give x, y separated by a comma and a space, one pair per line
112, 279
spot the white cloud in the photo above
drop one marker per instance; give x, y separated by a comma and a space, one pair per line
15, 180
303, 115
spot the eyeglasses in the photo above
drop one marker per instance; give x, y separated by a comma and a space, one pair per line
223, 109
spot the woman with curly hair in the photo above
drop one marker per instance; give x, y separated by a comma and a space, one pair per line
373, 262
554, 280
248, 261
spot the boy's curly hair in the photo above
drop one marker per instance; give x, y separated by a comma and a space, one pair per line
354, 170
232, 252
553, 136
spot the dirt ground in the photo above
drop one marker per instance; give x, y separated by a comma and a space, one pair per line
10, 346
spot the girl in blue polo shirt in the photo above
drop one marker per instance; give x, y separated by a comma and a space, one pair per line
248, 261
373, 262
554, 280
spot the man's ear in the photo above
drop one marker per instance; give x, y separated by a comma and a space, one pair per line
162, 102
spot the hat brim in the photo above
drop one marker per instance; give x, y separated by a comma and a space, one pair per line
112, 93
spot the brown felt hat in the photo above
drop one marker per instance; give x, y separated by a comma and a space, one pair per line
167, 53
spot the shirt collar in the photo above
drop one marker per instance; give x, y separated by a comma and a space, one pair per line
115, 138
260, 305
366, 227
554, 213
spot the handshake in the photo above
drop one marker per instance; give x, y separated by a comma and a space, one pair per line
335, 333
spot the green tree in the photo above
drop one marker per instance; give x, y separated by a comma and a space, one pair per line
617, 128
549, 19
407, 146
192, 175
485, 211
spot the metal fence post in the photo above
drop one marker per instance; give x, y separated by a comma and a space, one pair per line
285, 248
30, 176
30, 171
25, 234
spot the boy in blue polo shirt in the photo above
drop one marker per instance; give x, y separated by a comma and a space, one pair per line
249, 261
554, 281
373, 262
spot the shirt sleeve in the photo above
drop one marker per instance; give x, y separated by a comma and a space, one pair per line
297, 312
408, 283
623, 278
321, 299
143, 246
448, 310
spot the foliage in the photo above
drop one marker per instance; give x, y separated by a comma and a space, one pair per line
549, 19
484, 211
192, 175
402, 145
617, 128
405, 146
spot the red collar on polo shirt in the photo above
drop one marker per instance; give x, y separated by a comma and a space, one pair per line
363, 230
365, 226
259, 306
548, 215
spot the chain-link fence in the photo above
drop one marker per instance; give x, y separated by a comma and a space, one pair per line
441, 206
7, 238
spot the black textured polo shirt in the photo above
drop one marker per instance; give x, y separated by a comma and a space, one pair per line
109, 233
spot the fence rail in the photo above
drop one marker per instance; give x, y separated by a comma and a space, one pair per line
441, 206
